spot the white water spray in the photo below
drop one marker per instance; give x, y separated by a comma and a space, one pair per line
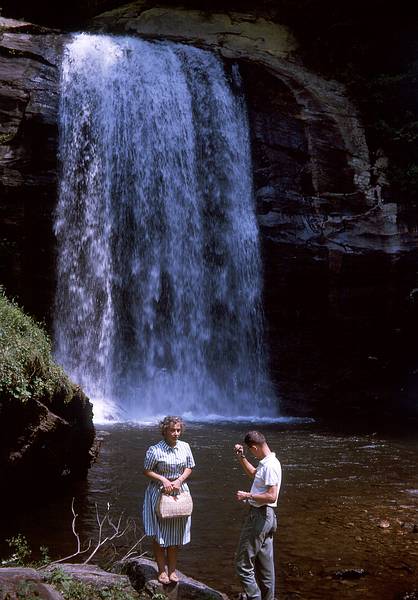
159, 273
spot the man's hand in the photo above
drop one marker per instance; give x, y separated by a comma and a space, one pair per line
243, 461
239, 450
241, 496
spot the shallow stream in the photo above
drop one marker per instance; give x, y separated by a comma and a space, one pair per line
348, 501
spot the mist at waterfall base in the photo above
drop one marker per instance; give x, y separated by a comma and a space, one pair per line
158, 301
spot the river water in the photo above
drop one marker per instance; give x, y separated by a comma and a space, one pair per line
348, 501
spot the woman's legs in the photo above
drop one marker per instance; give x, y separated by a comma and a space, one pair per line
159, 554
172, 563
160, 557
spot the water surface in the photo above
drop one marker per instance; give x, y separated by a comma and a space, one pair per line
338, 488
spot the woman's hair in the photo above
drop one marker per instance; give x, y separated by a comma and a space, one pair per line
254, 437
167, 421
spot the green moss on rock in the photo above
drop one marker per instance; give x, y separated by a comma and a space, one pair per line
26, 366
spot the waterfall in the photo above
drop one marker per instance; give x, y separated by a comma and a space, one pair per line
158, 269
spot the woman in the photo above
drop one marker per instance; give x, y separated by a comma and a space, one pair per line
168, 464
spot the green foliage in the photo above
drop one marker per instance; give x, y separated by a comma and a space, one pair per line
5, 138
26, 366
73, 589
26, 590
45, 558
159, 596
21, 551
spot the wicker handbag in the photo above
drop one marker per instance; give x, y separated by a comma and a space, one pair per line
179, 505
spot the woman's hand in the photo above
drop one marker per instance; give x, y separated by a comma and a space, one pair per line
177, 484
168, 486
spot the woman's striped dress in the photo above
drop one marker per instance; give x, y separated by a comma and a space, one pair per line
170, 462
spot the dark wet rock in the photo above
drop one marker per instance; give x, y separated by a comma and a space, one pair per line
356, 573
45, 442
142, 573
29, 75
410, 527
413, 595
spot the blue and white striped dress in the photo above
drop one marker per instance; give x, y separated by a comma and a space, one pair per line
170, 462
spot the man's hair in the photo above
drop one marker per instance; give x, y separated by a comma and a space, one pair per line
254, 437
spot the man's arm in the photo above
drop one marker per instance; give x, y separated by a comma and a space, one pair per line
246, 465
267, 497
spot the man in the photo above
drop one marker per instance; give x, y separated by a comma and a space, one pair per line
255, 560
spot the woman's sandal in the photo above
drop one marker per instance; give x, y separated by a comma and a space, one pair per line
174, 578
163, 578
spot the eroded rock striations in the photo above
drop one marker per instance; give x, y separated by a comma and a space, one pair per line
29, 76
45, 442
338, 258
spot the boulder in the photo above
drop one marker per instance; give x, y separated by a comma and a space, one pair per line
143, 572
93, 576
19, 582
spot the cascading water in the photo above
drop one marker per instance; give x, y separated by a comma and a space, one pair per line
158, 293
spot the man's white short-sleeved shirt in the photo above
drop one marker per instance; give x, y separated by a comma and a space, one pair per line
268, 473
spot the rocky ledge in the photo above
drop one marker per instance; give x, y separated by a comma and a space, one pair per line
315, 182
143, 572
91, 581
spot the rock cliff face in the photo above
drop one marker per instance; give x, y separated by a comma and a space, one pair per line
44, 443
339, 259
29, 74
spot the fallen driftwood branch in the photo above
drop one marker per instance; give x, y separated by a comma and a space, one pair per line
117, 531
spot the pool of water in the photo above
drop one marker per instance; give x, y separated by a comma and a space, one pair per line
348, 501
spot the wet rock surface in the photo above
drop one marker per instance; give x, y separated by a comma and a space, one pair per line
29, 75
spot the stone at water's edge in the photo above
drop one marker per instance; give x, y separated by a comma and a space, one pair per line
20, 582
140, 580
93, 576
143, 572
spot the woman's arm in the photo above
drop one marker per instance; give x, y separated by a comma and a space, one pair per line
167, 485
178, 482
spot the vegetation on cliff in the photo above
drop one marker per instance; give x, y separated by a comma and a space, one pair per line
46, 428
26, 366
